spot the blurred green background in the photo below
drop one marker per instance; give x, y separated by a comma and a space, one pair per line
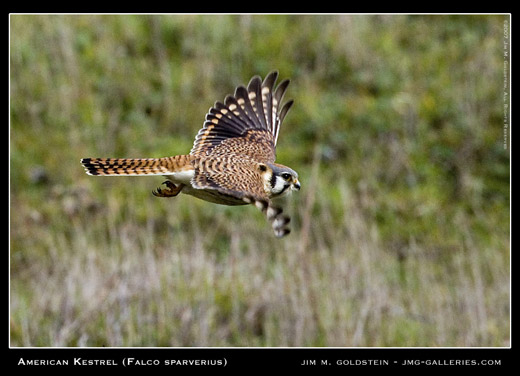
400, 232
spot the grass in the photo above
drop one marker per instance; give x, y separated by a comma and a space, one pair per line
401, 230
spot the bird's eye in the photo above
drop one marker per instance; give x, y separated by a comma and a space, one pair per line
286, 176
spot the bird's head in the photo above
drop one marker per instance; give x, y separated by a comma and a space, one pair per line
279, 179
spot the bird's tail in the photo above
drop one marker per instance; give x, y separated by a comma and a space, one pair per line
133, 167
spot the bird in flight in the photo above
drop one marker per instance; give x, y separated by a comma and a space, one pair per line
232, 161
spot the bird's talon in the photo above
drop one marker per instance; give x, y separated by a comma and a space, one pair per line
171, 190
170, 185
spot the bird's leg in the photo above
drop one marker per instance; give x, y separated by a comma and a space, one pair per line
171, 190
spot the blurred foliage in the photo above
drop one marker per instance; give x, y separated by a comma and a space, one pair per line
407, 111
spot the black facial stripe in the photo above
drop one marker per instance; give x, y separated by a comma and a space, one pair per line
284, 188
273, 180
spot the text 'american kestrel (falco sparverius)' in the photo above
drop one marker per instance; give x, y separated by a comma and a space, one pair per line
232, 159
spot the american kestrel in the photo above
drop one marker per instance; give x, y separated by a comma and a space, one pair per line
232, 159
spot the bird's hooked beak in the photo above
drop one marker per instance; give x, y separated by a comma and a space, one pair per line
296, 185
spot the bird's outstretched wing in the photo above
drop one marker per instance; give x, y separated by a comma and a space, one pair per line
247, 124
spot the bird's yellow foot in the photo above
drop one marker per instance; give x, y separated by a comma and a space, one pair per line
171, 190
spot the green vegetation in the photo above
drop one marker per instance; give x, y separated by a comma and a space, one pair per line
401, 229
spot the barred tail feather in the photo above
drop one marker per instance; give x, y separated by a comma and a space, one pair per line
134, 167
